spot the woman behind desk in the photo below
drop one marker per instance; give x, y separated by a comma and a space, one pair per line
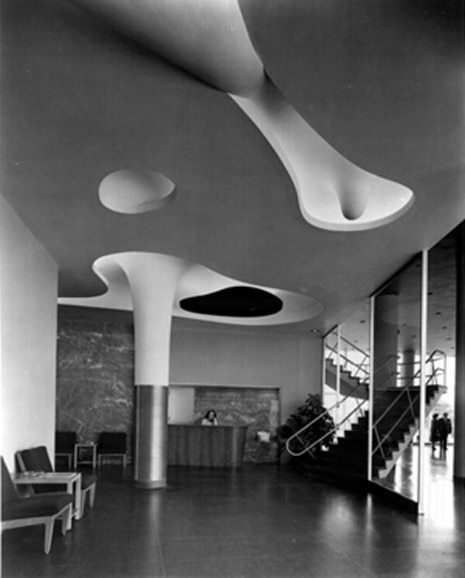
210, 418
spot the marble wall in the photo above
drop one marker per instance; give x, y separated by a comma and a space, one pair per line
95, 387
95, 378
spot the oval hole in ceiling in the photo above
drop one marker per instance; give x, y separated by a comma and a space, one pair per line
234, 302
132, 192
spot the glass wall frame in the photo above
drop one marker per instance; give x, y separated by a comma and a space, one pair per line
397, 382
412, 321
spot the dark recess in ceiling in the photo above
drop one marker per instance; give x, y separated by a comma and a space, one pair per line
234, 302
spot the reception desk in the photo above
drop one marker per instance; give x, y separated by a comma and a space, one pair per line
212, 446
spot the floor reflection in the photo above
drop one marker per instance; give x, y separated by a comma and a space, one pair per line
254, 522
439, 484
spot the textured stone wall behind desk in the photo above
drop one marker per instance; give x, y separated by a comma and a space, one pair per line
95, 378
257, 408
95, 385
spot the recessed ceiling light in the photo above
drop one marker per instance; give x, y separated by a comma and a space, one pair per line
133, 192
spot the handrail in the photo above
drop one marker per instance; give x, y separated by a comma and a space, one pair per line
382, 366
359, 367
403, 388
320, 416
309, 449
361, 383
349, 364
352, 345
407, 388
436, 355
388, 434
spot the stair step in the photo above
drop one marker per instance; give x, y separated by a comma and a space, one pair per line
347, 457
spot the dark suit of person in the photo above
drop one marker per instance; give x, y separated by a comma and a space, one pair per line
444, 429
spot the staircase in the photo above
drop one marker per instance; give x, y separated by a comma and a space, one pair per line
345, 459
349, 383
395, 424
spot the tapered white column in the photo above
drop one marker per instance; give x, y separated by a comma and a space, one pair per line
153, 281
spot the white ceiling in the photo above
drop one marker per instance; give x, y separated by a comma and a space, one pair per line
381, 82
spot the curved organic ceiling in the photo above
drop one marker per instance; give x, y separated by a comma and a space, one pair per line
197, 282
210, 40
382, 82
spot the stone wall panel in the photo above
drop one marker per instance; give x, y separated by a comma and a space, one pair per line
95, 389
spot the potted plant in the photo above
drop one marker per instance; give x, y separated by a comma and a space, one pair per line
318, 435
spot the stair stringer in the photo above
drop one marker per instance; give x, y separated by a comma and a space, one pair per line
408, 437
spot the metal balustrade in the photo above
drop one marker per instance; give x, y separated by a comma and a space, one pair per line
411, 392
359, 370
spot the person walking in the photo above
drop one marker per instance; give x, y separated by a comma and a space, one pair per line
434, 431
444, 429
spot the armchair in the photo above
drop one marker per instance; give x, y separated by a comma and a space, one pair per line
111, 444
64, 445
19, 512
37, 459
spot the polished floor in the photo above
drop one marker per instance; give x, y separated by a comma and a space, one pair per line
438, 474
256, 522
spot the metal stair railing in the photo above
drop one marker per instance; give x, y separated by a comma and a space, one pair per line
362, 382
309, 449
432, 379
361, 368
337, 427
437, 362
406, 390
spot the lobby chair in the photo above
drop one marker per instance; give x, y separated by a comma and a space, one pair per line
64, 446
111, 444
37, 460
20, 512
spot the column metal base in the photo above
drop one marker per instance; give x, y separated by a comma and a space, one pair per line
151, 439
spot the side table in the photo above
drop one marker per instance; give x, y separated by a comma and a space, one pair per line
82, 452
68, 479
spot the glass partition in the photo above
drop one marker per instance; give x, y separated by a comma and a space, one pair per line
441, 353
396, 380
400, 349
